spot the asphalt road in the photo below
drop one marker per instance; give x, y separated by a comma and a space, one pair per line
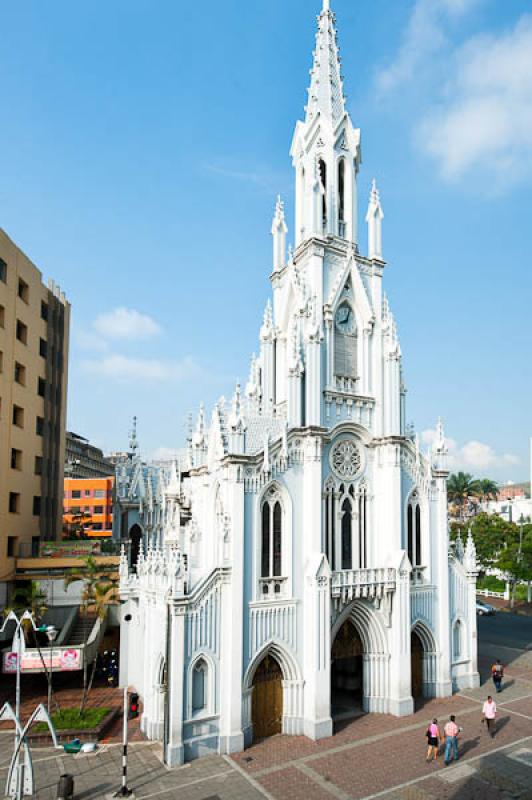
505, 630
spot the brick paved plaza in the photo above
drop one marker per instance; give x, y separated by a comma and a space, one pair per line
370, 756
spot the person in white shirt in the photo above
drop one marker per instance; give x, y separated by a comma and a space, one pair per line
489, 710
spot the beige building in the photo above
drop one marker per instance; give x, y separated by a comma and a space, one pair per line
34, 332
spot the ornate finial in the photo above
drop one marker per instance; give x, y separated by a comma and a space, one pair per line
290, 254
198, 438
470, 558
133, 443
326, 5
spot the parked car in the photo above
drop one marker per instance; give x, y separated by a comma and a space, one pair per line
485, 610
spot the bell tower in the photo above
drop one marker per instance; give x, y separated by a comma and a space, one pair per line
326, 148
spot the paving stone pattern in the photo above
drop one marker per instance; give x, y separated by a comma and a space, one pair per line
370, 756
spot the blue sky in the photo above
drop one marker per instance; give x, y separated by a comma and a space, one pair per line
141, 150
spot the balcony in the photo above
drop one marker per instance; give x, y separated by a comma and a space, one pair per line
352, 584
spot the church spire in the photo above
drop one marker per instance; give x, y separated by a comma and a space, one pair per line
326, 95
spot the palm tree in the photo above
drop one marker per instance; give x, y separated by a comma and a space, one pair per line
91, 576
106, 591
460, 487
488, 489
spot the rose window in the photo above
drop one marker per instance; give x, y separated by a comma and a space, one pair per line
345, 459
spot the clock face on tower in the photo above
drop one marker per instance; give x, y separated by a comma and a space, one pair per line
345, 319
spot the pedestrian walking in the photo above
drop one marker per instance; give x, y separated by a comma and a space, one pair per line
489, 710
450, 732
497, 673
433, 740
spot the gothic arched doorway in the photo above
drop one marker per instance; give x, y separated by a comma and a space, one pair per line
346, 671
267, 699
135, 537
416, 650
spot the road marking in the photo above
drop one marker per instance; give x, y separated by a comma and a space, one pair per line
426, 777
176, 789
250, 779
328, 786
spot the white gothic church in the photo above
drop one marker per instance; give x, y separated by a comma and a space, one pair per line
296, 566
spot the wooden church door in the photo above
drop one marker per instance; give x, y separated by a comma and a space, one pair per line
267, 701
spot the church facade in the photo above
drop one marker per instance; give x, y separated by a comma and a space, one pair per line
295, 566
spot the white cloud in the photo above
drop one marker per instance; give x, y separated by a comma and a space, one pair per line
89, 341
473, 456
126, 323
485, 119
425, 35
124, 369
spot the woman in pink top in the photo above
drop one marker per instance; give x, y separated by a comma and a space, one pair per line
489, 709
433, 739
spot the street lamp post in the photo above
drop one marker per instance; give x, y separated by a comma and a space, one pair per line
18, 635
51, 633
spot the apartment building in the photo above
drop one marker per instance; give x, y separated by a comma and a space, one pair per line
89, 502
85, 460
34, 336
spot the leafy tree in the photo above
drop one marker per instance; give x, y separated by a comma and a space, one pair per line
491, 534
515, 559
77, 527
106, 591
461, 486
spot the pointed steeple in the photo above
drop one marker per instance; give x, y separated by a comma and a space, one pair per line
133, 442
374, 219
279, 231
266, 331
325, 95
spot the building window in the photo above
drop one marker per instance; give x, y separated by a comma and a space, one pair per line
271, 550
414, 531
22, 332
341, 198
99, 493
44, 310
76, 494
347, 541
18, 416
39, 426
3, 270
199, 687
74, 510
43, 348
457, 640
41, 387
346, 525
87, 492
2, 316
23, 291
14, 503
1, 361
323, 179
98, 509
97, 526
38, 465
36, 506
11, 546
16, 458
20, 373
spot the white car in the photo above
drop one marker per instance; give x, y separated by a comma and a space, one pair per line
485, 610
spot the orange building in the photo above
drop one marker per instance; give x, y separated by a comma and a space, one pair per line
89, 501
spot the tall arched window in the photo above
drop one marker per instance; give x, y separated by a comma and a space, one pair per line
362, 528
414, 531
457, 640
199, 686
271, 536
341, 198
323, 179
347, 542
